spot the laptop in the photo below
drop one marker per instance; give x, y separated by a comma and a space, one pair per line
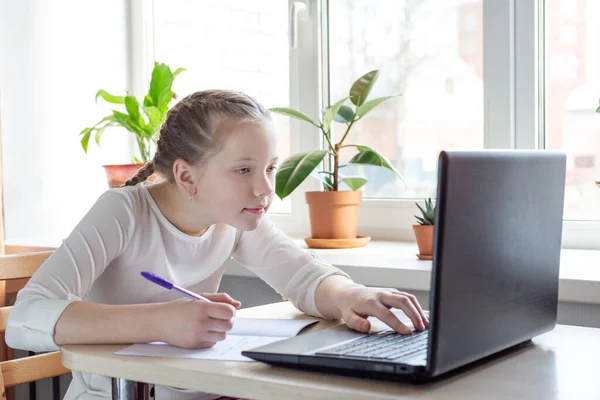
494, 280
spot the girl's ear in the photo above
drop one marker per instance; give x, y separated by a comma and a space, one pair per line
185, 176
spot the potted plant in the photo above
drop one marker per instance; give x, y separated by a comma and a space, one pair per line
333, 212
143, 119
424, 230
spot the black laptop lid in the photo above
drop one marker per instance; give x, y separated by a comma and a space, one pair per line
496, 253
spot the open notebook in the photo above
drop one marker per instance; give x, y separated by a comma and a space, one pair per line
247, 333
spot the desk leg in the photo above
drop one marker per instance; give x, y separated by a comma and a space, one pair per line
123, 389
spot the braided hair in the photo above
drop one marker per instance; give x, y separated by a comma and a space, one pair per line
192, 129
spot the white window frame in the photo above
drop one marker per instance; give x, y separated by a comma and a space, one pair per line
513, 98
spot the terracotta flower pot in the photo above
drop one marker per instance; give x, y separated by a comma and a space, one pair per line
333, 215
424, 236
117, 175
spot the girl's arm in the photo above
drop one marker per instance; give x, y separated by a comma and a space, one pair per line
318, 288
91, 323
48, 311
184, 323
69, 273
281, 263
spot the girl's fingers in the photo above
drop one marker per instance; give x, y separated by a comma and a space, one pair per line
405, 304
377, 309
213, 337
222, 298
219, 310
219, 325
415, 302
356, 322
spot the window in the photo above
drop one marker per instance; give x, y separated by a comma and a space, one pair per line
572, 91
568, 8
238, 45
432, 56
537, 88
568, 35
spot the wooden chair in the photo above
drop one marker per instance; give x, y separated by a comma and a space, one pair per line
16, 268
27, 369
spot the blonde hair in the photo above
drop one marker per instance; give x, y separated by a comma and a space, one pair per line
191, 129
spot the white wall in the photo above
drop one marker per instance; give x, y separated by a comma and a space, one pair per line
54, 56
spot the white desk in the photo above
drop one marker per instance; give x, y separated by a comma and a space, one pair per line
559, 365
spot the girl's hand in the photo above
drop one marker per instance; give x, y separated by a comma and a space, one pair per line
358, 303
194, 324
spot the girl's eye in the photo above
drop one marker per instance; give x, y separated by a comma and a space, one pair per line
272, 169
242, 171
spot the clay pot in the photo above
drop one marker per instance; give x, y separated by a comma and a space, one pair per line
424, 236
333, 215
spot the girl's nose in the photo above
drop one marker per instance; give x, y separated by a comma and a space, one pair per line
264, 187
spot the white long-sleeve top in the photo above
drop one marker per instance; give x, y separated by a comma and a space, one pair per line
125, 233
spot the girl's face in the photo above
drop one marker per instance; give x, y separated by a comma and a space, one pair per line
236, 185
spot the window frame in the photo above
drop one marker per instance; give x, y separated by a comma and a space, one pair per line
514, 82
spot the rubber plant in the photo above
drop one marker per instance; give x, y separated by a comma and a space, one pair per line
334, 212
294, 170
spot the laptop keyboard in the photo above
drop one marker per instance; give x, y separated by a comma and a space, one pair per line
385, 345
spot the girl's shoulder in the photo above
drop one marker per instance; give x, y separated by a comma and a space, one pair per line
124, 200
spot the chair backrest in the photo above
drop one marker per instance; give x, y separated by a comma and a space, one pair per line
27, 369
22, 265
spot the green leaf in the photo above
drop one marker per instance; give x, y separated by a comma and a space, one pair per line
124, 121
86, 138
178, 71
370, 105
598, 110
294, 171
133, 108
427, 214
423, 221
289, 112
137, 160
100, 131
148, 101
368, 156
354, 182
160, 86
155, 117
362, 87
109, 97
344, 115
331, 112
328, 183
323, 179
421, 208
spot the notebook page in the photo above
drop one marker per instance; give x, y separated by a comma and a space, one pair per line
269, 327
229, 349
247, 333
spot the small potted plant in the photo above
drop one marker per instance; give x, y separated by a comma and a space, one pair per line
424, 230
143, 119
333, 212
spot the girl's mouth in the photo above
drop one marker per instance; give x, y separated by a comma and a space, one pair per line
255, 211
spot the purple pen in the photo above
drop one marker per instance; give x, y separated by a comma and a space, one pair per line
169, 285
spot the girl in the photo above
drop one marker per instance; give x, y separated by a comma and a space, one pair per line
218, 154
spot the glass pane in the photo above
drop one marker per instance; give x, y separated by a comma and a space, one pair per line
572, 69
229, 44
430, 51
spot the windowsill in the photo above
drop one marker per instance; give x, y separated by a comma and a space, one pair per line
394, 264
